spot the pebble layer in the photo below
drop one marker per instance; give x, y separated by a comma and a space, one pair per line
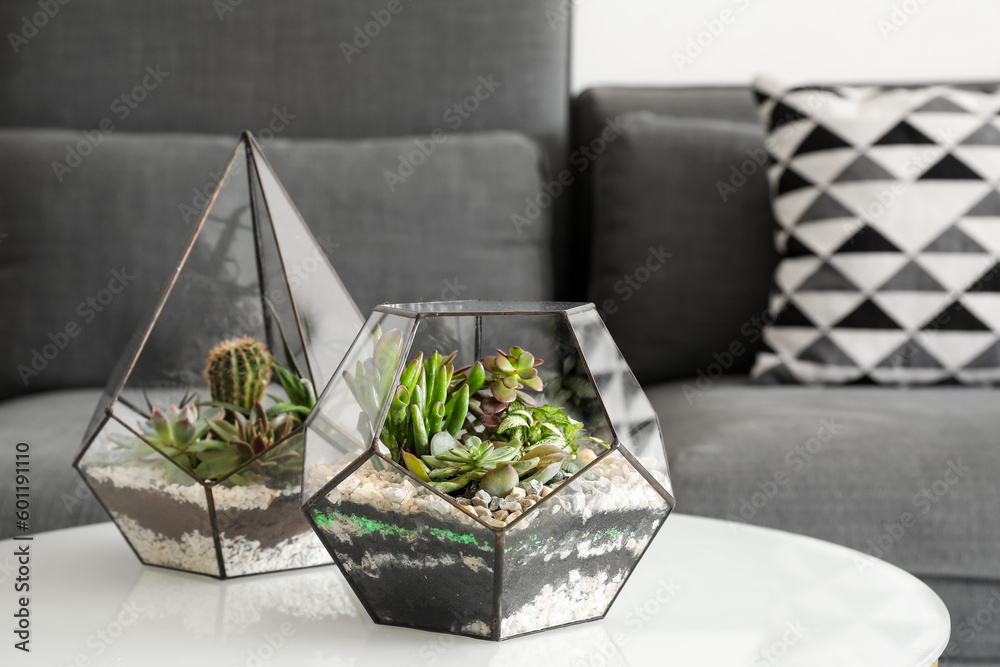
148, 478
195, 552
580, 598
610, 485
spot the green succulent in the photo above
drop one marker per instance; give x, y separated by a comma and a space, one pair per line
299, 388
452, 465
431, 398
371, 381
238, 371
242, 438
542, 425
458, 429
179, 433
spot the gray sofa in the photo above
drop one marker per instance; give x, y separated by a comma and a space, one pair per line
906, 475
681, 276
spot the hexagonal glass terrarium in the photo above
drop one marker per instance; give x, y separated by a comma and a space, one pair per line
465, 486
196, 446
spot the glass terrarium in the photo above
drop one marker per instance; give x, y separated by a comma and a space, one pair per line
485, 469
196, 446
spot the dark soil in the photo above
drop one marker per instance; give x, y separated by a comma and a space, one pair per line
172, 518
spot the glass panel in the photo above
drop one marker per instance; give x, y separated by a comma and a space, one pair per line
261, 528
416, 559
632, 417
327, 314
161, 511
567, 385
446, 335
339, 428
233, 271
566, 558
275, 291
216, 295
130, 352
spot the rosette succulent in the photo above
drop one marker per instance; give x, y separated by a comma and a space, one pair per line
509, 375
242, 438
179, 433
453, 465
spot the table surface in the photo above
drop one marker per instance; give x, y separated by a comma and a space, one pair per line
708, 593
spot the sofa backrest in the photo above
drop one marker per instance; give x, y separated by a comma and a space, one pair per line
680, 269
118, 115
685, 169
344, 69
83, 259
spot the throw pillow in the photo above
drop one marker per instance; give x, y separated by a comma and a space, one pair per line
889, 232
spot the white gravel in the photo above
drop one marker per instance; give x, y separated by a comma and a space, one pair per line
616, 487
149, 477
580, 599
195, 551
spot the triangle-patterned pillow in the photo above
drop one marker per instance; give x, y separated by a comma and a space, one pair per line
888, 215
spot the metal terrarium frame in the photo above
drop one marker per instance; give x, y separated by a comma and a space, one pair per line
251, 229
572, 316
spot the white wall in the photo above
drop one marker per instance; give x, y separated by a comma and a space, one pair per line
635, 42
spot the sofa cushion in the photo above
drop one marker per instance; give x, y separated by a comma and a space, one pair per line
889, 210
52, 423
85, 252
908, 476
682, 236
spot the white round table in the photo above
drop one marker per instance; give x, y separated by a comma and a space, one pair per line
708, 593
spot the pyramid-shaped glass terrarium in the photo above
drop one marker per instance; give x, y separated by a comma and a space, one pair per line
464, 486
196, 448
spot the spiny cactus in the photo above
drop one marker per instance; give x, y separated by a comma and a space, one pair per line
238, 371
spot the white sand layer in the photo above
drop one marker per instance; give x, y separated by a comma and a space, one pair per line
152, 477
196, 552
579, 599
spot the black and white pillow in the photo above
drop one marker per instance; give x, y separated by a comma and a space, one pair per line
889, 232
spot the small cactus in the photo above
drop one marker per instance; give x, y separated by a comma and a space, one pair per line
238, 371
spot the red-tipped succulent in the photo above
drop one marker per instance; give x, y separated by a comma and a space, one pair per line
509, 374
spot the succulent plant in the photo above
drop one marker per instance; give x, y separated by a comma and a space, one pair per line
299, 389
509, 374
542, 425
452, 465
238, 371
179, 433
431, 398
241, 438
372, 378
